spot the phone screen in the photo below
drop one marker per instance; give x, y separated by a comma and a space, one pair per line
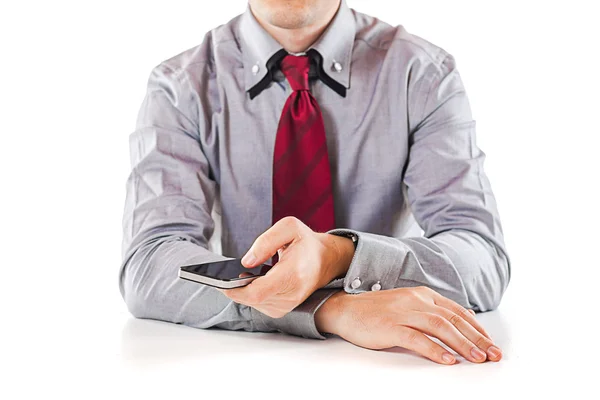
227, 270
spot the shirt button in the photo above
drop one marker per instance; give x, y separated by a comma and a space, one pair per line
356, 283
337, 66
255, 69
376, 287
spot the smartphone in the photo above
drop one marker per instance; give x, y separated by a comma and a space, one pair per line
226, 274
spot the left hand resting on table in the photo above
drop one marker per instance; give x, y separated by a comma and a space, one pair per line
308, 260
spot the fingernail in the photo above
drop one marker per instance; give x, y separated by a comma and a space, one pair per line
477, 354
448, 359
494, 352
249, 258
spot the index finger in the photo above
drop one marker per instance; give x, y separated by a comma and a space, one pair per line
282, 233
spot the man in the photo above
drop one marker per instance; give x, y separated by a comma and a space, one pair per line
328, 139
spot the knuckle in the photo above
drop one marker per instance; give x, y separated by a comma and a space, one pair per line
424, 289
455, 319
433, 351
413, 294
466, 343
410, 300
290, 222
482, 343
461, 311
411, 338
437, 322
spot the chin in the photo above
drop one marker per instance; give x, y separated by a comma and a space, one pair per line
286, 14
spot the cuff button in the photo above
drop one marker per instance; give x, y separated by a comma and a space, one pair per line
376, 287
356, 283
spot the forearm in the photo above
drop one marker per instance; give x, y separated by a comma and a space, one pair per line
167, 220
462, 254
151, 288
328, 315
482, 268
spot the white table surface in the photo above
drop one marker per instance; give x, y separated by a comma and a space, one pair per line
108, 354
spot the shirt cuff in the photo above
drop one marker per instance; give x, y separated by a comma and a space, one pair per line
374, 258
301, 320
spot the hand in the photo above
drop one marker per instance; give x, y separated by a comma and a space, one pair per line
403, 317
308, 260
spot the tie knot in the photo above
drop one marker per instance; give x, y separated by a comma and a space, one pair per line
295, 69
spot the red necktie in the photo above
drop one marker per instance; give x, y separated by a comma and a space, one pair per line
301, 175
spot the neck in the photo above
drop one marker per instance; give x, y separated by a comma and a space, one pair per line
300, 39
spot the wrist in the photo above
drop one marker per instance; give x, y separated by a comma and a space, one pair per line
327, 317
344, 248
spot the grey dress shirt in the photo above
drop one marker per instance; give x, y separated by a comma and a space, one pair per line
407, 174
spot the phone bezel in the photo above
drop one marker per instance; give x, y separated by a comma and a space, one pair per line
215, 282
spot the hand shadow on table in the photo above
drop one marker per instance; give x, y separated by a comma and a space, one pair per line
149, 342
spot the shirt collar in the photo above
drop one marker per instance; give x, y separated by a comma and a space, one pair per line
334, 45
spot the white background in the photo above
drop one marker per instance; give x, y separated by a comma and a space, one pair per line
73, 75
